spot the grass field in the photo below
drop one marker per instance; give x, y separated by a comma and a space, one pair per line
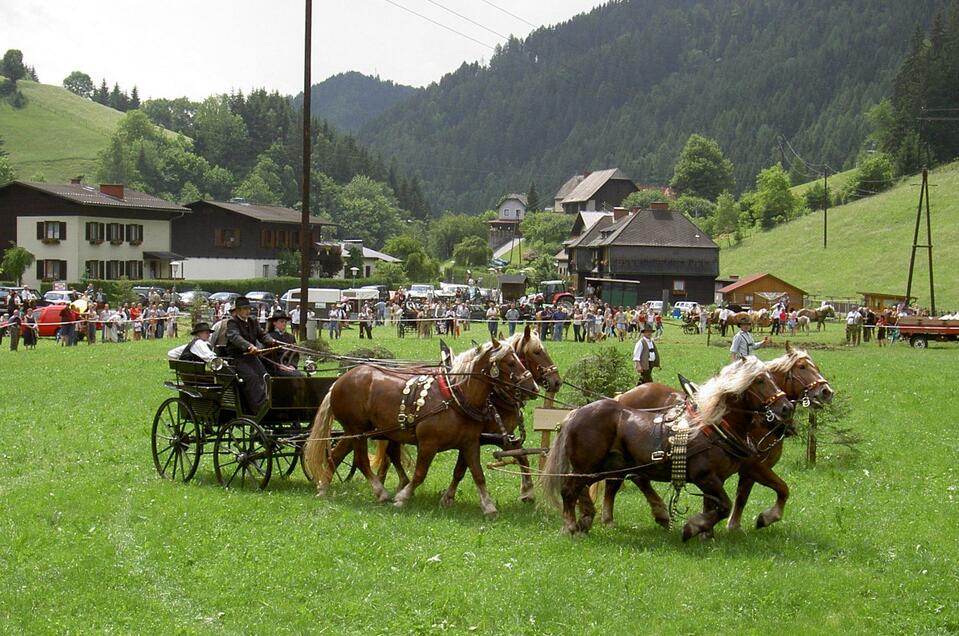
869, 245
57, 133
96, 542
836, 182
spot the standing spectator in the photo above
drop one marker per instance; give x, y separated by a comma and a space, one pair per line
365, 319
792, 321
869, 324
703, 319
492, 320
159, 324
620, 319
881, 330
29, 330
13, 327
91, 324
577, 324
659, 326
172, 313
724, 315
851, 325
334, 322
135, 322
512, 316
646, 356
743, 344
559, 321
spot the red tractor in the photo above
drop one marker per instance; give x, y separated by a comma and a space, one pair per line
555, 292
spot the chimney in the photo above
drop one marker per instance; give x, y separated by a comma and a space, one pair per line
112, 190
658, 205
619, 213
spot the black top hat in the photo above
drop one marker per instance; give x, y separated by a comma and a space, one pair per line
241, 302
646, 327
199, 327
279, 314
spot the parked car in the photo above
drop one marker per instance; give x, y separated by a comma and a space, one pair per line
143, 293
223, 297
421, 292
5, 293
685, 305
261, 297
185, 300
655, 306
54, 297
382, 291
47, 319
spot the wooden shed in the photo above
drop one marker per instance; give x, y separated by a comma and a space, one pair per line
512, 286
880, 301
762, 290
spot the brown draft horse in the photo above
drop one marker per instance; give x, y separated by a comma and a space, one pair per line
604, 438
508, 405
799, 378
819, 315
366, 402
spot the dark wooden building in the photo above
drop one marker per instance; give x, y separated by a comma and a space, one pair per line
599, 190
236, 239
658, 247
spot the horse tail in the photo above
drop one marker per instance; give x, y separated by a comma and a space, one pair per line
557, 465
316, 451
379, 457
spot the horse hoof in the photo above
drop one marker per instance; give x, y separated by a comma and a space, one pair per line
490, 514
706, 536
689, 532
609, 523
662, 522
734, 526
762, 522
446, 502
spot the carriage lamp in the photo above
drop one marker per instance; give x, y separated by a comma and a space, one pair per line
217, 364
310, 366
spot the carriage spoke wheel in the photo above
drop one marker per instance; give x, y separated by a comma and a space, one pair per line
285, 458
243, 455
176, 440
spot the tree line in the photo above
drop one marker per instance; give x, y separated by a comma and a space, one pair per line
79, 83
12, 70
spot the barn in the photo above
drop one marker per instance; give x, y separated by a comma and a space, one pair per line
762, 290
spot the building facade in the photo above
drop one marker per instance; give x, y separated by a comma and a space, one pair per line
77, 231
235, 239
594, 191
762, 290
510, 212
660, 249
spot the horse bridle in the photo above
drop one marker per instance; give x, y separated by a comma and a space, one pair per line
806, 388
766, 405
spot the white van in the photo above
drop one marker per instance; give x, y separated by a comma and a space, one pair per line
655, 306
685, 306
317, 297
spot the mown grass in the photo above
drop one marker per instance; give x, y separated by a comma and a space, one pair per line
869, 245
95, 541
57, 133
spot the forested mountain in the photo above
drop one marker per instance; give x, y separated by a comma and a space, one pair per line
626, 84
349, 100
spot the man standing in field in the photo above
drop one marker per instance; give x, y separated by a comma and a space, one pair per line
743, 344
646, 355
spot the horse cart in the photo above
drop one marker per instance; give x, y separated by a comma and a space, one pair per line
208, 416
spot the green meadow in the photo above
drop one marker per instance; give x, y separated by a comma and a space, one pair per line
94, 541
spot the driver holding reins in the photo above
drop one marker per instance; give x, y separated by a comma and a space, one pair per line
242, 334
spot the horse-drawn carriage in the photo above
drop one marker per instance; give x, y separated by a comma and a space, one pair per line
247, 447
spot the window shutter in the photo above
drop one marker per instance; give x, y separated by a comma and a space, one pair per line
40, 270
63, 231
39, 230
129, 233
87, 227
63, 268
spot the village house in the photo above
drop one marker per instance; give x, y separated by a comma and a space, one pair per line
762, 290
371, 258
236, 239
79, 231
510, 212
593, 191
660, 249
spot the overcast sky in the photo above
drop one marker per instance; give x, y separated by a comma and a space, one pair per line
196, 48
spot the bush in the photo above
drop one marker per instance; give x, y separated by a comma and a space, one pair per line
371, 353
604, 372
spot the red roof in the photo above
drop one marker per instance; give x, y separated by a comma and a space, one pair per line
753, 278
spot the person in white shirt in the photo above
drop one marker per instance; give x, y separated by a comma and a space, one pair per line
646, 356
743, 343
198, 349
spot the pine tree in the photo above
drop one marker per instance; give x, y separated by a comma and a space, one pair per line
115, 99
102, 94
134, 98
532, 199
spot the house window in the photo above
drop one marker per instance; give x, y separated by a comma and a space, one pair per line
679, 287
95, 232
748, 298
115, 269
282, 239
51, 231
367, 271
226, 237
94, 269
135, 270
267, 238
115, 233
51, 270
134, 233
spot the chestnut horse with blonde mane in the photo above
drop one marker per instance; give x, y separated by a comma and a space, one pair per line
606, 439
799, 378
508, 405
367, 399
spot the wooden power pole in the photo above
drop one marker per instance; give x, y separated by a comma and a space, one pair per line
923, 199
306, 235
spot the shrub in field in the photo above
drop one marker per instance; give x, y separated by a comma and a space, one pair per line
606, 371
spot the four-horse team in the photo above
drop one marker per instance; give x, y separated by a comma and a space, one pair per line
735, 423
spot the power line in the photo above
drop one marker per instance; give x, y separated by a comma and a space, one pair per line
440, 24
470, 20
535, 26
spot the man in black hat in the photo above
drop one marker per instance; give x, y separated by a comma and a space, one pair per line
646, 355
743, 343
198, 349
281, 362
242, 334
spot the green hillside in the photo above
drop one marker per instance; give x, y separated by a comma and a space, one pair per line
57, 133
869, 245
836, 182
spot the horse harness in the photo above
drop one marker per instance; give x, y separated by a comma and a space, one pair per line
416, 391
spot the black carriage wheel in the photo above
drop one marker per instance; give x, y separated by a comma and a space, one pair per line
243, 455
176, 440
285, 458
346, 469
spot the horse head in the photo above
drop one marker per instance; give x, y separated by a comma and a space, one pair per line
742, 388
531, 352
800, 378
504, 365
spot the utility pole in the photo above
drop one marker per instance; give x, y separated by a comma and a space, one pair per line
306, 235
923, 198
825, 205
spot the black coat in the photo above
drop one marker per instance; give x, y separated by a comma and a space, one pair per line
242, 334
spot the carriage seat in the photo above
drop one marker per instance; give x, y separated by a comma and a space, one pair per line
191, 373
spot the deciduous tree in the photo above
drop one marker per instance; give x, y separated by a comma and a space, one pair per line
79, 83
702, 170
